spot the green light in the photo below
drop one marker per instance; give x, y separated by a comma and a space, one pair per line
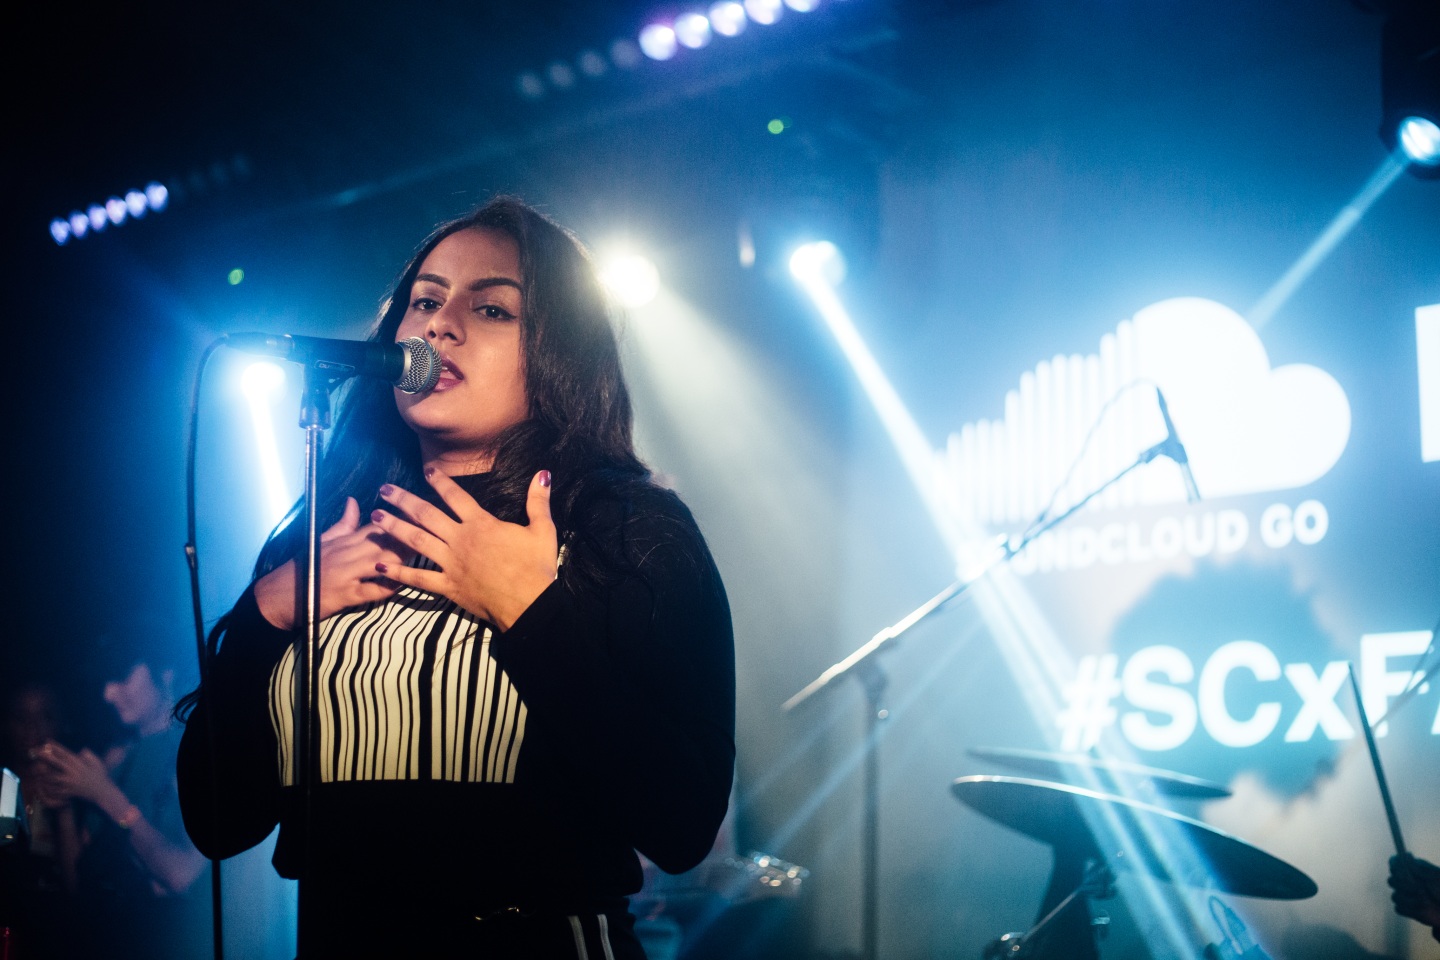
776, 126
235, 276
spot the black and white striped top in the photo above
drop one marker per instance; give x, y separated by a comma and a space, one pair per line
407, 690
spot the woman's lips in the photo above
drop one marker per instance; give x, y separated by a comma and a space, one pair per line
449, 376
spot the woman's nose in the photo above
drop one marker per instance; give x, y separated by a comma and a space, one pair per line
446, 324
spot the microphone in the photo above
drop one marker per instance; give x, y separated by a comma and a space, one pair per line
1175, 450
412, 365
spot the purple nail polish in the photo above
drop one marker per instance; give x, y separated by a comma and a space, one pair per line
545, 478
387, 490
382, 568
377, 516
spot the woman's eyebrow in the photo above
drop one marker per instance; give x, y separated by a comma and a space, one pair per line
484, 282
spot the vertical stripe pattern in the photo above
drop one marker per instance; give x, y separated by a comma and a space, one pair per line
407, 691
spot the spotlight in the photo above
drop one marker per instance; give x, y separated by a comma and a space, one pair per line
530, 85
658, 41
818, 261
625, 54
134, 205
1420, 139
561, 75
592, 64
692, 30
728, 18
764, 11
633, 279
1410, 86
802, 6
261, 382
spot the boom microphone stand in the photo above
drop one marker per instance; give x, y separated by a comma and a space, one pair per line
861, 665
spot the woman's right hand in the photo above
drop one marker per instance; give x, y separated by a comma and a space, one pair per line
348, 554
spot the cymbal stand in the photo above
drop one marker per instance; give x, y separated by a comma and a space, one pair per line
873, 680
1096, 882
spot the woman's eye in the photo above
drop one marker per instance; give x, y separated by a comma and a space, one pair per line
425, 303
491, 311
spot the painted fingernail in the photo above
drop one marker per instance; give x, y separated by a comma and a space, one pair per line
387, 490
544, 478
382, 568
378, 516
429, 471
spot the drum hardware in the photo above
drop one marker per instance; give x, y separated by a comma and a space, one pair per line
1061, 816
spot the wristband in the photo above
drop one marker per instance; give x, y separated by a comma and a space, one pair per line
129, 818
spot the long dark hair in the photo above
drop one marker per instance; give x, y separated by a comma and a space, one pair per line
579, 424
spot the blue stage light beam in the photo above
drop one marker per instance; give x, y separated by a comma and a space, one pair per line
1276, 297
1031, 647
261, 383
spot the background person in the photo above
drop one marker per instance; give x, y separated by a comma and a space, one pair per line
1415, 886
137, 871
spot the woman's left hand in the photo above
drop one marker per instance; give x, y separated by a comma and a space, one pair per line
492, 568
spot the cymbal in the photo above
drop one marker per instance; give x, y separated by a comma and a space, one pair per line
1064, 766
1069, 818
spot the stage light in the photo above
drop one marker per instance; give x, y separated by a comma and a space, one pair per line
764, 12
818, 261
625, 54
530, 86
802, 6
132, 205
592, 64
1410, 86
658, 41
60, 230
561, 75
728, 18
1420, 139
777, 126
261, 382
632, 278
692, 30
235, 277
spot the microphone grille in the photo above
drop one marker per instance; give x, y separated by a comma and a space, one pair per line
422, 366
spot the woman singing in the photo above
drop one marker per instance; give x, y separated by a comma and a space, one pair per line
526, 668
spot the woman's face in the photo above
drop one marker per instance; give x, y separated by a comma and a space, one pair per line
137, 699
466, 302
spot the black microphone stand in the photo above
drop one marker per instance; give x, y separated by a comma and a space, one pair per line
860, 664
314, 418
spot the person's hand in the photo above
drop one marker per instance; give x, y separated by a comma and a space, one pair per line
349, 554
1416, 885
492, 568
78, 776
37, 779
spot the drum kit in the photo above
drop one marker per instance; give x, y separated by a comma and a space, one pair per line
1102, 826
